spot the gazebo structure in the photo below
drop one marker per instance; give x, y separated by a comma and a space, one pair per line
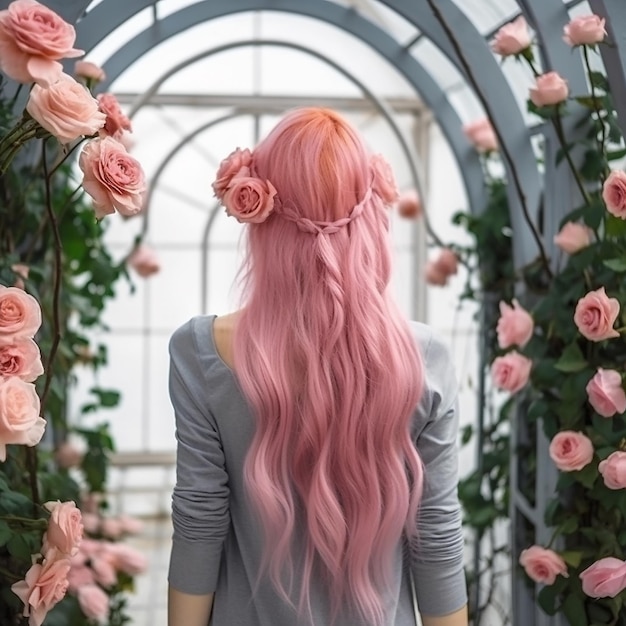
440, 48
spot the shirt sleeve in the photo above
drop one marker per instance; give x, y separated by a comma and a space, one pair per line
437, 551
200, 501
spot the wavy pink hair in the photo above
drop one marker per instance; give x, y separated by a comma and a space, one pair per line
330, 370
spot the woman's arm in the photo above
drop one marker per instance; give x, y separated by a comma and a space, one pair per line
184, 609
458, 618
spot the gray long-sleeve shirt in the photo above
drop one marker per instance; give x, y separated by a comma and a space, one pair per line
216, 544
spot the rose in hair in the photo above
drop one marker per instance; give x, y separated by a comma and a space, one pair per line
482, 135
614, 193
20, 422
249, 199
595, 315
605, 578
113, 178
512, 38
236, 163
32, 39
116, 122
21, 358
384, 183
571, 450
542, 565
44, 586
573, 237
20, 314
585, 30
65, 109
549, 89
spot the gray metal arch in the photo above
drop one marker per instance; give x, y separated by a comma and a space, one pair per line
99, 22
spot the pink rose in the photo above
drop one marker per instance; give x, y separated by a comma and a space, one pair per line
613, 470
79, 576
595, 315
116, 122
584, 30
515, 326
435, 275
409, 204
384, 182
91, 523
22, 359
614, 194
65, 109
571, 451
249, 199
32, 39
130, 525
65, 527
512, 38
103, 569
126, 559
542, 565
482, 135
94, 603
606, 394
511, 371
111, 528
67, 455
144, 261
447, 262
549, 89
44, 586
233, 164
573, 237
89, 71
113, 178
605, 578
20, 422
20, 314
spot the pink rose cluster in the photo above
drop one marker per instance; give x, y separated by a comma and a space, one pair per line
439, 271
96, 565
542, 564
20, 366
246, 197
46, 582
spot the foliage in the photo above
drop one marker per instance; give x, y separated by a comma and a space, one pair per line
587, 517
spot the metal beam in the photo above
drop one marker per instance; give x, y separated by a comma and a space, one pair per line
413, 106
614, 56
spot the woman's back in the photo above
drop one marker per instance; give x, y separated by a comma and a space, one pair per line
329, 370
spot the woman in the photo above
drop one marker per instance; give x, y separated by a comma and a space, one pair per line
317, 467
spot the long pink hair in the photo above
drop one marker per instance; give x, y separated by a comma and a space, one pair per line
330, 370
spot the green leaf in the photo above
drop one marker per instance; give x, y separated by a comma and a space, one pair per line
617, 265
5, 532
574, 610
599, 80
587, 475
572, 558
572, 359
569, 525
19, 546
547, 599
